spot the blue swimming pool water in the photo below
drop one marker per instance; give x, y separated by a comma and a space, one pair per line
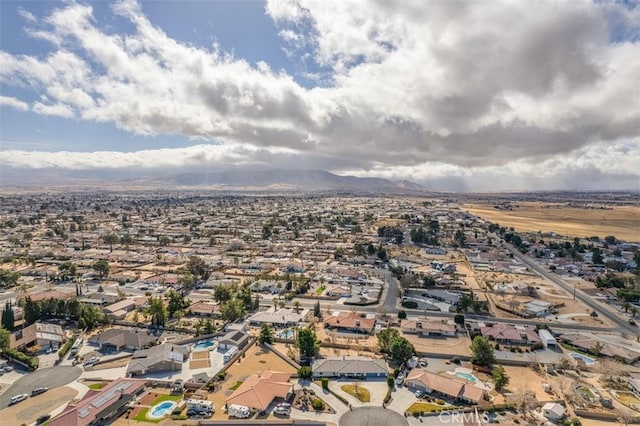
206, 344
162, 409
586, 359
286, 334
467, 376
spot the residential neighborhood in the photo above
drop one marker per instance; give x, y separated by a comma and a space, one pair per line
200, 308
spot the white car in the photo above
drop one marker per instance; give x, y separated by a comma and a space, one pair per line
400, 380
420, 393
18, 398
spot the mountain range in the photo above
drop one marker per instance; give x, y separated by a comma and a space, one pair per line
229, 180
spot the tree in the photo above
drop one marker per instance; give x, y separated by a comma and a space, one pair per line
482, 352
401, 350
8, 318
4, 339
8, 278
176, 302
402, 314
465, 302
199, 268
596, 257
157, 311
385, 337
428, 281
611, 240
186, 282
266, 334
221, 293
102, 268
68, 270
111, 239
459, 319
31, 311
305, 372
208, 327
316, 310
307, 343
90, 316
459, 238
500, 377
232, 310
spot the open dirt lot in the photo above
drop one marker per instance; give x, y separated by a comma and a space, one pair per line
621, 221
28, 411
453, 346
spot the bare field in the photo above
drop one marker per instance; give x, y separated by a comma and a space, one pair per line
620, 221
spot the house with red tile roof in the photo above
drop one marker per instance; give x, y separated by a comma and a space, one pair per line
258, 391
350, 322
448, 387
511, 334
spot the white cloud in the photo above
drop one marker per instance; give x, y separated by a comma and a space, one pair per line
466, 86
14, 103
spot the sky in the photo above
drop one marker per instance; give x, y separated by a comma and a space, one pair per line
457, 95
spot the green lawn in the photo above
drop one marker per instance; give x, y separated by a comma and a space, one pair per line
359, 392
586, 391
97, 386
237, 385
142, 415
424, 407
320, 290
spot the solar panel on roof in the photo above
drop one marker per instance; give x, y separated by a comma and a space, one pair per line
108, 395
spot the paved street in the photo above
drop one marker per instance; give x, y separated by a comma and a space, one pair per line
49, 377
620, 323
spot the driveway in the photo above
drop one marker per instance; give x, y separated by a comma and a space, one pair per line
55, 377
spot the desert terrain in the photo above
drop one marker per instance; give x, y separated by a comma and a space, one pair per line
621, 221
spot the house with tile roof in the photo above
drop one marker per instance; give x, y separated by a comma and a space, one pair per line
258, 391
438, 384
350, 322
511, 334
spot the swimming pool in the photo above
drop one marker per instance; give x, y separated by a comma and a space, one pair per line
286, 334
587, 360
467, 376
205, 344
161, 409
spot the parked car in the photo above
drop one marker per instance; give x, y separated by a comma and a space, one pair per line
43, 419
400, 380
282, 409
18, 398
420, 393
38, 391
8, 369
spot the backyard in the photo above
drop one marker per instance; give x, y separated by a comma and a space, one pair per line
142, 415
